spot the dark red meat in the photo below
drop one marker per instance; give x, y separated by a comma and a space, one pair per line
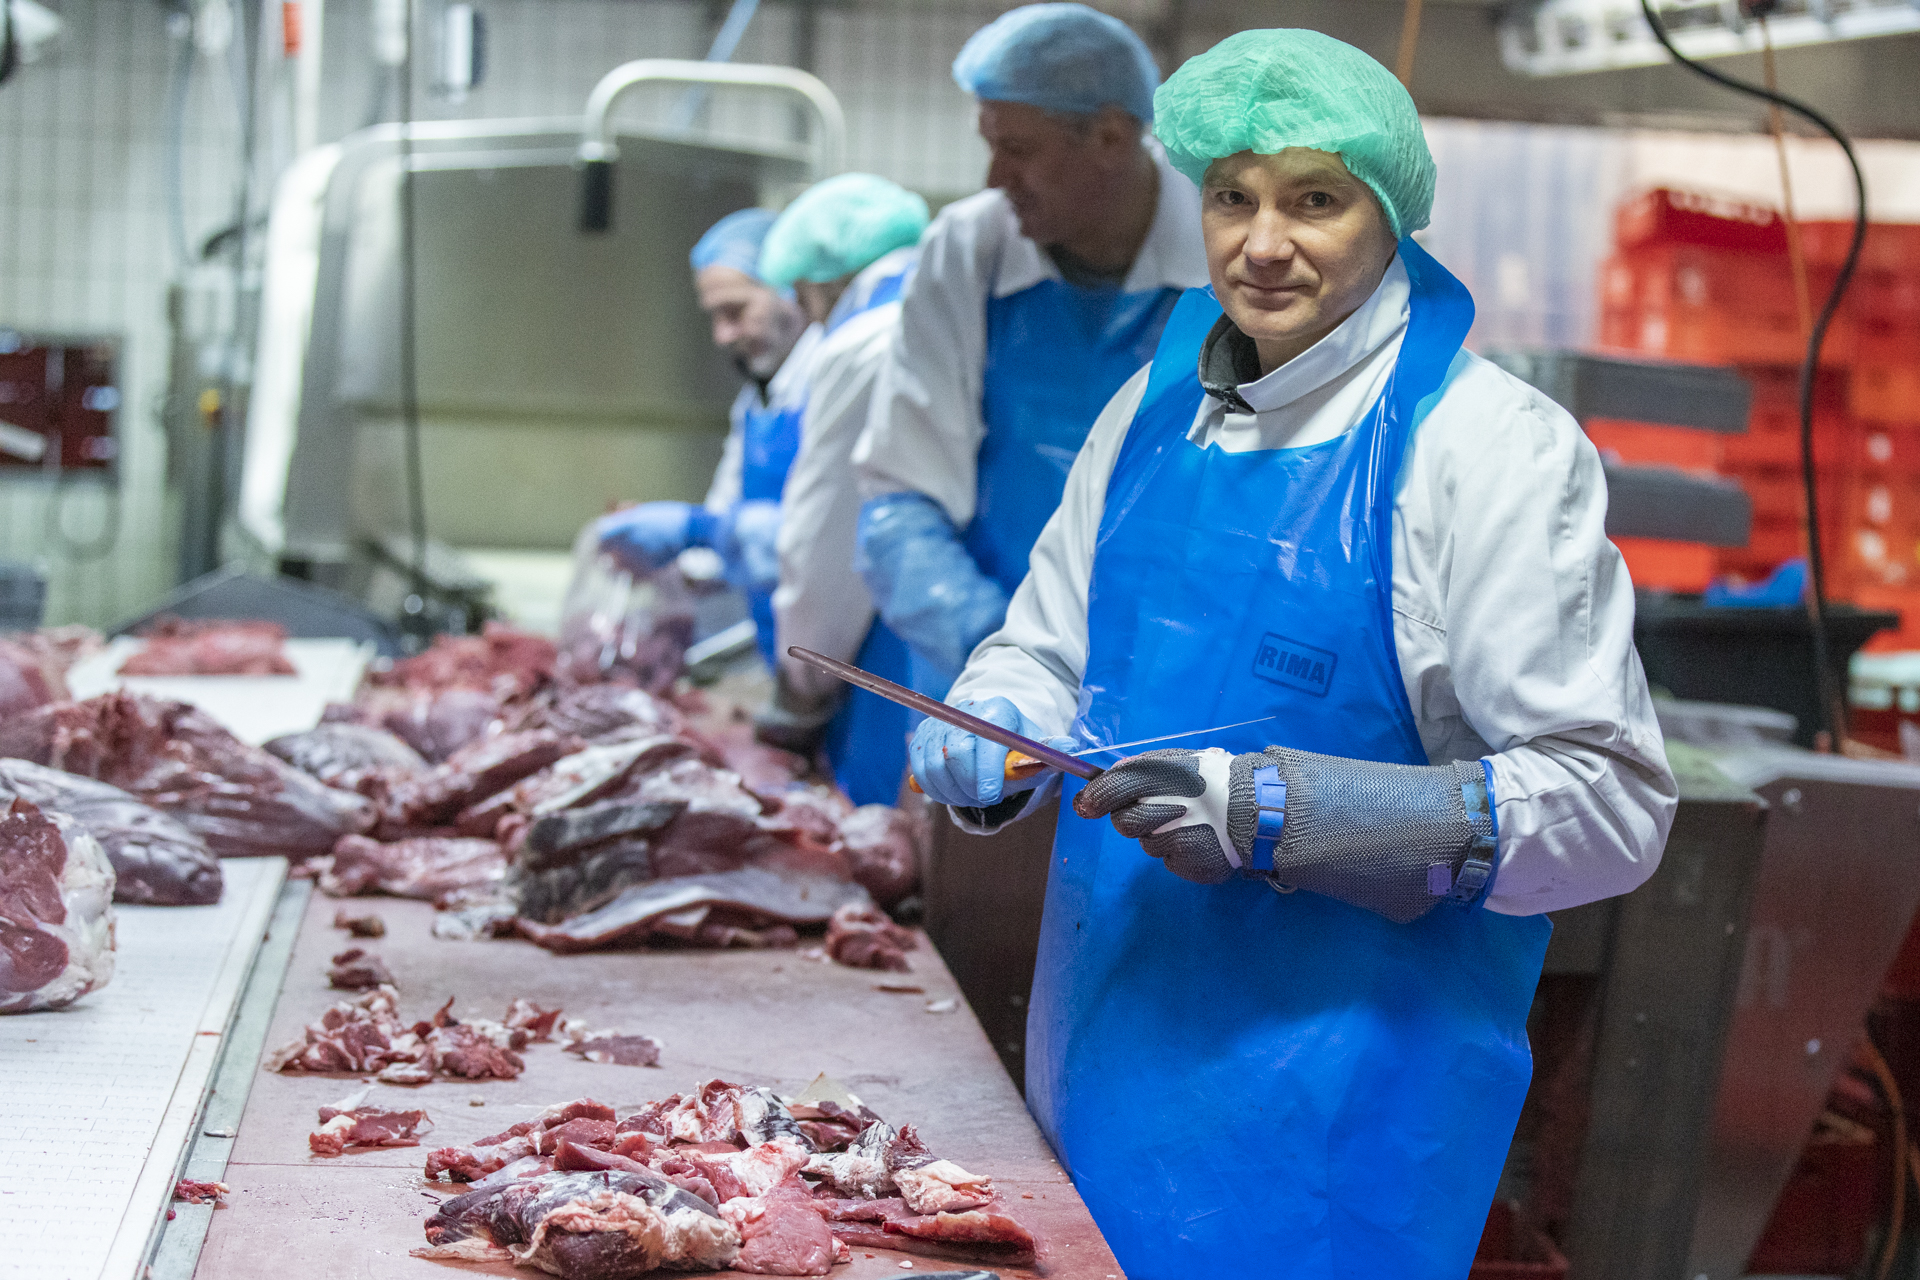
603, 713
780, 1233
200, 1192
584, 1226
29, 677
156, 860
434, 724
428, 867
878, 841
366, 1127
56, 913
176, 647
862, 937
473, 773
352, 757
503, 661
626, 1051
359, 970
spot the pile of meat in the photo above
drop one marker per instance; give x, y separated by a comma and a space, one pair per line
176, 647
589, 816
156, 859
367, 1035
56, 910
726, 1176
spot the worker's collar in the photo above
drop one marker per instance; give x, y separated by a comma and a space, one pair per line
1230, 366
1172, 256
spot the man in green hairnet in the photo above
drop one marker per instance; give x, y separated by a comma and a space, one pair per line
1278, 1025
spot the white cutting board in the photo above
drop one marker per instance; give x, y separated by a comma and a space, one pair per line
252, 708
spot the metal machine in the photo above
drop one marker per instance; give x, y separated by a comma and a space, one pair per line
558, 370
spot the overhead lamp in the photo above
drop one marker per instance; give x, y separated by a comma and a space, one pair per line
1569, 37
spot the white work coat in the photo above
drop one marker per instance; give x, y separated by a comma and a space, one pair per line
1512, 613
787, 385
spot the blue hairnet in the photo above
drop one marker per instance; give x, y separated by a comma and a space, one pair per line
1266, 91
836, 227
1059, 57
734, 241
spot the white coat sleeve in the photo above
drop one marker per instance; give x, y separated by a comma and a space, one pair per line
724, 491
822, 603
924, 427
1504, 508
1035, 660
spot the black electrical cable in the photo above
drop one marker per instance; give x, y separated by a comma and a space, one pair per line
1829, 699
9, 43
409, 368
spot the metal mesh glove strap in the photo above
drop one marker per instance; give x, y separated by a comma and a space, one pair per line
1389, 838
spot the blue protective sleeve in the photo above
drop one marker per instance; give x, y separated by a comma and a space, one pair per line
925, 585
747, 540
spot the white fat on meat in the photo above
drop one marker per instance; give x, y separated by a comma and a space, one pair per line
56, 910
942, 1187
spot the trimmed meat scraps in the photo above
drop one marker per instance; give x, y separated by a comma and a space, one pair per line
359, 970
780, 1232
237, 798
156, 860
56, 910
367, 926
626, 1051
863, 937
177, 647
368, 1035
351, 1123
755, 897
191, 1192
425, 867
878, 841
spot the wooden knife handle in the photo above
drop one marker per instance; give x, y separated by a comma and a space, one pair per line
1020, 767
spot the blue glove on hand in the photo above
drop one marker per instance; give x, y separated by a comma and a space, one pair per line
649, 536
956, 768
925, 583
747, 541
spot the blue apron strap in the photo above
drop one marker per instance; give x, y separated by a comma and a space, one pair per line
1177, 357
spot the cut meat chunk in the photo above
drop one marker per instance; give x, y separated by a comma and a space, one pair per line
426, 867
878, 841
989, 1231
625, 1051
864, 938
581, 1132
464, 1051
237, 798
575, 779
366, 926
350, 1123
353, 757
357, 969
191, 1192
942, 1187
780, 1234
757, 894
550, 839
604, 713
524, 1015
474, 772
56, 910
434, 724
359, 1035
502, 660
29, 676
226, 647
585, 1226
156, 860
860, 1172
481, 1159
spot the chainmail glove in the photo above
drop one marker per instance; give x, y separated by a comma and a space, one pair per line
1392, 839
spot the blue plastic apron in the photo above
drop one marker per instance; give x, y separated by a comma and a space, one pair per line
866, 741
1056, 353
1243, 1082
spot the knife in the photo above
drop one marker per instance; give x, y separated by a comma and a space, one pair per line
1025, 756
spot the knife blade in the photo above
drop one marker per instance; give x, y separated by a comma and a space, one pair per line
1042, 754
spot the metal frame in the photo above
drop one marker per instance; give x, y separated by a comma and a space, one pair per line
597, 144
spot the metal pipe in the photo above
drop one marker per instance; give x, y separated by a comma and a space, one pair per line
598, 150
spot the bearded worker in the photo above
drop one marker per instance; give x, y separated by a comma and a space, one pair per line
1278, 1022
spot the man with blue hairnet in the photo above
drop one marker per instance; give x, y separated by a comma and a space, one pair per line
1033, 302
846, 248
1278, 1023
771, 342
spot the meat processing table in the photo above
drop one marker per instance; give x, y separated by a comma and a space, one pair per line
774, 1018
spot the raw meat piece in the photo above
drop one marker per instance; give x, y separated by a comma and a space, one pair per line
481, 1160
436, 724
942, 1187
860, 1172
577, 1158
56, 911
990, 1231
358, 1035
473, 773
237, 798
573, 780
725, 732
177, 647
358, 970
603, 713
768, 896
200, 1192
864, 938
525, 1015
351, 1123
467, 1052
427, 867
551, 838
524, 1167
502, 660
626, 1051
156, 860
367, 926
878, 842
780, 1233
584, 1226
352, 757
29, 677
583, 1131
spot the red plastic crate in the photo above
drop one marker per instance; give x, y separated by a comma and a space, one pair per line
1891, 247
1666, 216
1904, 601
1658, 565
1656, 446
1885, 392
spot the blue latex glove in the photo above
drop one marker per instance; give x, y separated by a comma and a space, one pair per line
649, 536
746, 540
924, 583
956, 768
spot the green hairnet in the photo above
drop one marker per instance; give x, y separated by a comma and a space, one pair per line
838, 226
1265, 91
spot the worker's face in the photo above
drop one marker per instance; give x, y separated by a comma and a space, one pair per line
1295, 243
818, 296
1054, 169
751, 323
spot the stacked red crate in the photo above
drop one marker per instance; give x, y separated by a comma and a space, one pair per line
1708, 280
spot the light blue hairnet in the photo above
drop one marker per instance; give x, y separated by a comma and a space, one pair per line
734, 241
836, 227
1059, 57
1265, 91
